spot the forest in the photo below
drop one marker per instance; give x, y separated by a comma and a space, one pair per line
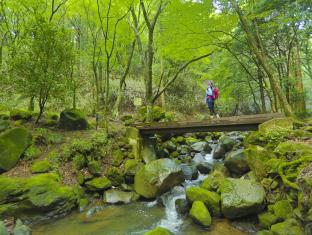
79, 78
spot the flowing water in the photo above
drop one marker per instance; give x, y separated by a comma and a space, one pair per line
137, 218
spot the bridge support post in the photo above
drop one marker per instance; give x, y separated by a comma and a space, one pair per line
143, 147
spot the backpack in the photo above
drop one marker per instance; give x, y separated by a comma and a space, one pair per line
215, 93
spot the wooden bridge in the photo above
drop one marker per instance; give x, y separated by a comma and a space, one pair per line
236, 123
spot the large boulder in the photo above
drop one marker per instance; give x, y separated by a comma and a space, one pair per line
240, 197
13, 143
200, 214
157, 177
37, 198
114, 196
236, 162
73, 119
211, 199
98, 184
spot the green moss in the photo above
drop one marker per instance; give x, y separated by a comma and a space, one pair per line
79, 161
33, 152
73, 119
95, 168
98, 184
10, 188
132, 167
174, 154
288, 227
115, 175
283, 209
211, 183
211, 199
158, 231
41, 167
200, 213
17, 114
4, 125
266, 219
293, 150
3, 229
265, 232
13, 143
118, 157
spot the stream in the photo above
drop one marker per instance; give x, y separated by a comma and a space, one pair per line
138, 217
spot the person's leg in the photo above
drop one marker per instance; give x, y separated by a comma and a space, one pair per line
210, 106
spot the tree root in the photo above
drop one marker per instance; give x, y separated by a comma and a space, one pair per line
283, 165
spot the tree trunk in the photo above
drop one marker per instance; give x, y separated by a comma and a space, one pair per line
261, 88
31, 105
263, 60
149, 76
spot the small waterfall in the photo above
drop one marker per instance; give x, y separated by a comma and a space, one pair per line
172, 220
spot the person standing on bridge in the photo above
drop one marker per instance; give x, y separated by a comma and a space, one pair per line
212, 93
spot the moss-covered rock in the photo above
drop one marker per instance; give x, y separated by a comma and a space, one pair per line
200, 214
98, 184
211, 199
4, 125
21, 229
220, 171
23, 115
79, 161
157, 177
95, 168
240, 197
115, 175
118, 158
132, 166
41, 167
236, 162
293, 150
266, 219
114, 196
73, 119
156, 115
276, 124
158, 231
39, 197
288, 227
211, 183
13, 143
265, 232
257, 158
283, 209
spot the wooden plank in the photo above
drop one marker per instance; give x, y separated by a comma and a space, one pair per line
237, 123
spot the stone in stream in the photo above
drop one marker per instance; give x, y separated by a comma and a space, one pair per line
190, 171
240, 197
211, 199
201, 147
21, 229
204, 167
200, 214
158, 231
182, 206
236, 162
158, 177
13, 143
114, 196
225, 145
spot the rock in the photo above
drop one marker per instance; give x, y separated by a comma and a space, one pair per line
211, 183
115, 175
276, 124
204, 167
200, 214
240, 197
118, 158
4, 115
79, 161
157, 177
219, 152
257, 158
225, 145
236, 162
190, 171
211, 199
170, 145
3, 229
182, 206
158, 231
73, 119
198, 158
293, 149
266, 219
95, 168
21, 229
201, 147
20, 115
41, 167
36, 198
283, 209
219, 170
132, 166
288, 227
98, 184
13, 143
180, 140
114, 196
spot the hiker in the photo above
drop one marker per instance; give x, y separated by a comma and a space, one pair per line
212, 94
